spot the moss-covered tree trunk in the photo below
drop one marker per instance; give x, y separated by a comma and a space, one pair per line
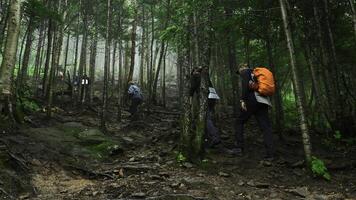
186, 118
9, 56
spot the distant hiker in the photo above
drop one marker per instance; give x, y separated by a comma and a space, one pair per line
76, 82
212, 133
136, 97
255, 101
85, 80
84, 89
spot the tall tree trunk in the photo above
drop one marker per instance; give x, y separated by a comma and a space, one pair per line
232, 64
93, 52
180, 75
302, 117
120, 82
83, 61
186, 118
57, 50
48, 58
3, 25
9, 56
155, 82
113, 67
143, 48
106, 67
133, 49
74, 96
65, 63
352, 6
164, 77
24, 70
38, 58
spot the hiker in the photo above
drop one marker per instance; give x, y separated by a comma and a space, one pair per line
84, 88
136, 99
212, 133
253, 103
85, 80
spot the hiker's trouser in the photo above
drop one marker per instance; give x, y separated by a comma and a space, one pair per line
135, 102
212, 132
260, 111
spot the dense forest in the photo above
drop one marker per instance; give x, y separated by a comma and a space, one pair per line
69, 125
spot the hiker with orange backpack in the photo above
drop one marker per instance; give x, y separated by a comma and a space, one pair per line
257, 85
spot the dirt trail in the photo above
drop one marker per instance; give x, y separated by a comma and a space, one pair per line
69, 158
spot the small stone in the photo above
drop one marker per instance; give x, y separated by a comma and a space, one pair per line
95, 193
175, 185
298, 164
320, 197
36, 162
241, 183
139, 195
266, 163
25, 196
223, 174
251, 183
182, 186
297, 172
261, 185
156, 177
188, 165
300, 191
164, 174
170, 162
273, 195
132, 159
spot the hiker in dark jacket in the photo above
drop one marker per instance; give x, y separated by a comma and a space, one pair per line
212, 133
136, 97
252, 104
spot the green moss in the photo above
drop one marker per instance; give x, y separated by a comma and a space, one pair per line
102, 150
72, 131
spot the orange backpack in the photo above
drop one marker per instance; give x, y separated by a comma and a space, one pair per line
265, 81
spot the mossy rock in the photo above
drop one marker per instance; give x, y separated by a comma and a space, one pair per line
76, 140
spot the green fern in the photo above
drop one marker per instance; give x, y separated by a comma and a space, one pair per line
319, 168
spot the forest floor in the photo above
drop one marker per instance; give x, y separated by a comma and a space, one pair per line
68, 157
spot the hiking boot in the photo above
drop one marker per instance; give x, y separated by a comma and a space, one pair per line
235, 152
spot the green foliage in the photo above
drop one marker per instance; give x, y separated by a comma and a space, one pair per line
319, 169
29, 105
181, 158
169, 32
337, 135
290, 111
